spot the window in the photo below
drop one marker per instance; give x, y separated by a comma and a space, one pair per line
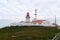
39, 23
34, 23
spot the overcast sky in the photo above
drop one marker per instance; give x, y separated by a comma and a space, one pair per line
17, 9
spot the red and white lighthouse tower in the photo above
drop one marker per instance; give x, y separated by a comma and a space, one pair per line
27, 18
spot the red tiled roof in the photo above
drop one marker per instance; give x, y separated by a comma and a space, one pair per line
38, 20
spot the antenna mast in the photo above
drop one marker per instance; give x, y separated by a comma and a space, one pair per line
55, 21
35, 14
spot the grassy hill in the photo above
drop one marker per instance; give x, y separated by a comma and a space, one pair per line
28, 33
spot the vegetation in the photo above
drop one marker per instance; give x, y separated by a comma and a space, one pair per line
28, 33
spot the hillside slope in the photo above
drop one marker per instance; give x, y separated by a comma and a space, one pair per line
28, 33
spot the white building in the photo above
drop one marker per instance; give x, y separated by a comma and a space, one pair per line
35, 22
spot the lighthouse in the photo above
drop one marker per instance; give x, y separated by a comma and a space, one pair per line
27, 18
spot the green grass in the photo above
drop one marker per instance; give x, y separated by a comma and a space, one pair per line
28, 33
